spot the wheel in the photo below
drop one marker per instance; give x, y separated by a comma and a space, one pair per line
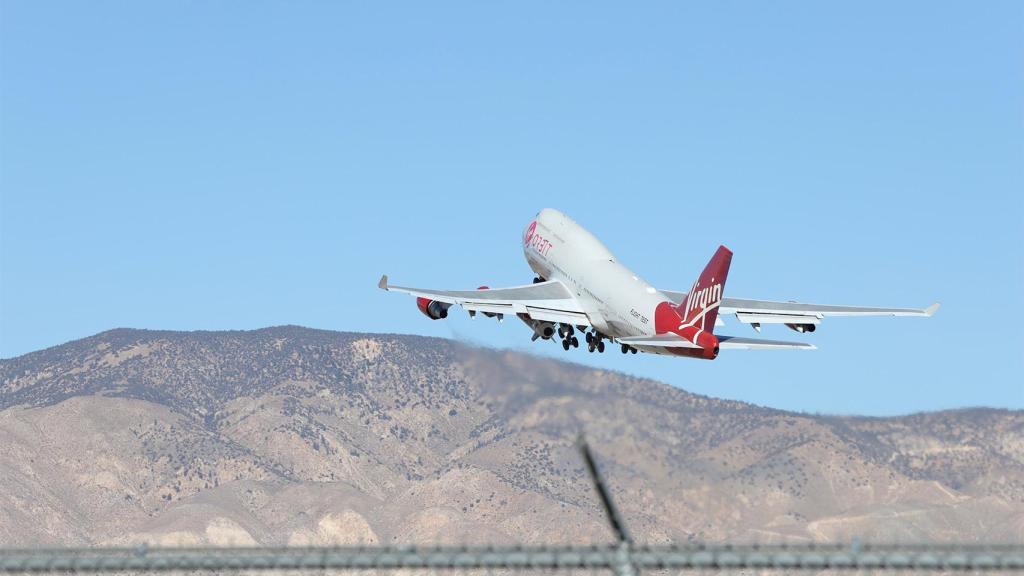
590, 338
590, 347
575, 342
633, 350
625, 349
600, 346
566, 344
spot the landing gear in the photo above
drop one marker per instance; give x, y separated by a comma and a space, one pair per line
568, 339
595, 341
538, 280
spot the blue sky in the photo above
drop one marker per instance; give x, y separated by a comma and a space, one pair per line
234, 165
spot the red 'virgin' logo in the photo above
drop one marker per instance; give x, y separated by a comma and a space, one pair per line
529, 233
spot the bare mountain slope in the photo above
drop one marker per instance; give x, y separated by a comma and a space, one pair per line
295, 436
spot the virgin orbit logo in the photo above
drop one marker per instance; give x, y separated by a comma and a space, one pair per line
534, 240
529, 233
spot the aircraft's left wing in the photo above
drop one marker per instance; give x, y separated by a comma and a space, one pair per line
549, 301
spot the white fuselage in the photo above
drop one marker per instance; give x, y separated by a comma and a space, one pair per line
618, 302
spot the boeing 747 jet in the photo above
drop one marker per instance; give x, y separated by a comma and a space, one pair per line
582, 288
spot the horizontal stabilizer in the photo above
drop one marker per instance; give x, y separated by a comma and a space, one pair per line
669, 340
739, 343
724, 342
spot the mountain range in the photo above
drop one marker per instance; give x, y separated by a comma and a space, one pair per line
289, 435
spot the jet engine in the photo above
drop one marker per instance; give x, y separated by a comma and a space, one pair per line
801, 328
541, 329
433, 309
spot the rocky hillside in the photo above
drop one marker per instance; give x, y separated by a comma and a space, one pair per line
295, 436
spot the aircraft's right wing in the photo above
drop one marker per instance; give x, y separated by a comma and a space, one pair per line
772, 312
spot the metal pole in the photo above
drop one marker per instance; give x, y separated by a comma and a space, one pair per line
622, 564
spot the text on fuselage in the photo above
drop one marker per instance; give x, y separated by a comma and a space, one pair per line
533, 239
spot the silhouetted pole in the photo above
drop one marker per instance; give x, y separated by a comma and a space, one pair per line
623, 565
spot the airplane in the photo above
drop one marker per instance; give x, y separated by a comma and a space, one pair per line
581, 286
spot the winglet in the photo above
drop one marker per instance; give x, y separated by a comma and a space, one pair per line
383, 284
931, 309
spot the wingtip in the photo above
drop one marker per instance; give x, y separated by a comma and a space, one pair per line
383, 284
931, 309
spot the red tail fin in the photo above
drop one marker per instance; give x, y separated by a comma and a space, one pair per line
700, 308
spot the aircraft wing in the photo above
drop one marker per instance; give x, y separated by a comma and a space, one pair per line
549, 301
772, 312
724, 343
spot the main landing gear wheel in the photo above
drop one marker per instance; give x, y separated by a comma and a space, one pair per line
566, 344
600, 346
625, 348
633, 350
591, 347
575, 342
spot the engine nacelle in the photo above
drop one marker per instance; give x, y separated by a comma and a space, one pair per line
801, 328
541, 328
433, 309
